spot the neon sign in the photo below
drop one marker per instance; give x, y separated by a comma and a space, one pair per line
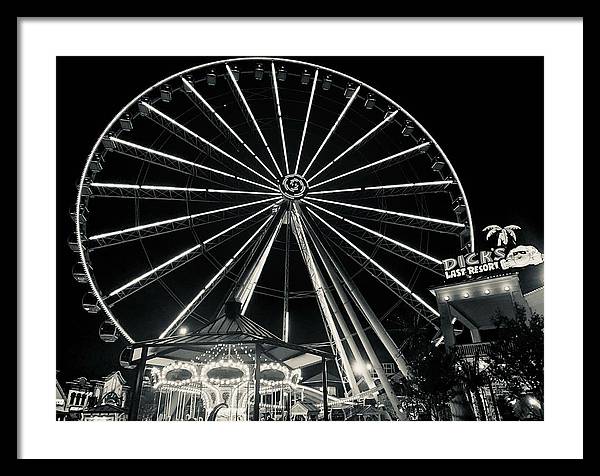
473, 263
495, 259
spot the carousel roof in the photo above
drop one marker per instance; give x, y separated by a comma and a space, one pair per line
318, 379
228, 329
238, 325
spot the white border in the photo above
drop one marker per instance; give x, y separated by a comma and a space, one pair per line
560, 41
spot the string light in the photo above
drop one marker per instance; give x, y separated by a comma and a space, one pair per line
289, 377
204, 379
163, 376
225, 364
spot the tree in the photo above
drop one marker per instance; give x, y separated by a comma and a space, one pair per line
517, 356
473, 377
504, 233
433, 379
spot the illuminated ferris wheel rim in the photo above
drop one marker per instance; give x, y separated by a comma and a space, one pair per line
285, 190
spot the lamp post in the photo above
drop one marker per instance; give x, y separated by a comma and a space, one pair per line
324, 382
256, 411
137, 391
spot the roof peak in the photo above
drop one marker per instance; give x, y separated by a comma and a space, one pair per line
230, 323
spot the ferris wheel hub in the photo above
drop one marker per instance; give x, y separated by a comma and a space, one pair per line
293, 186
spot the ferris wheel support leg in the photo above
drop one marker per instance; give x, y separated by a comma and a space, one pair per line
347, 334
191, 306
320, 290
374, 322
246, 292
340, 318
372, 356
286, 289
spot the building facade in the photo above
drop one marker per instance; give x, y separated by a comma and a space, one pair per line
104, 399
467, 311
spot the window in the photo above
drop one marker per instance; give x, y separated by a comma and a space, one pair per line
389, 368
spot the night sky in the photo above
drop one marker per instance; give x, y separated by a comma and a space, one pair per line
485, 112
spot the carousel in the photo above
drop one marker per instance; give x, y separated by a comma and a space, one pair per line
232, 369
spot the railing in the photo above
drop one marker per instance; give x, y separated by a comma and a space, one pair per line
469, 350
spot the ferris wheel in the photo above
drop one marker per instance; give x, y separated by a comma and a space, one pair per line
237, 161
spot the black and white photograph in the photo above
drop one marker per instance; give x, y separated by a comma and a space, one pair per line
302, 241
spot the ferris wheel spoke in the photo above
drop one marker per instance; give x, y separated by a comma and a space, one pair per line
332, 130
399, 218
240, 95
171, 162
380, 191
381, 274
216, 279
395, 250
387, 161
180, 259
227, 130
394, 246
310, 102
388, 118
191, 137
163, 192
279, 118
166, 226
